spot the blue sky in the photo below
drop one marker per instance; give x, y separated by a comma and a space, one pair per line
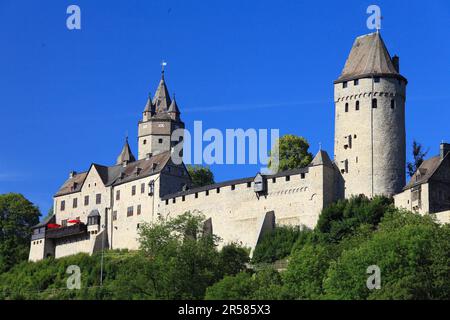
67, 98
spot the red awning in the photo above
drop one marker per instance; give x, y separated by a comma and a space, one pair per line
74, 221
53, 226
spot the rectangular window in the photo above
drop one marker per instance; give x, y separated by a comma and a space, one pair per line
183, 198
274, 180
196, 195
346, 107
75, 203
129, 211
376, 79
288, 178
98, 198
63, 205
392, 104
249, 184
302, 176
114, 215
357, 106
344, 84
142, 187
86, 200
118, 195
207, 192
233, 187
133, 190
167, 202
374, 103
355, 82
174, 200
218, 190
64, 223
138, 209
160, 140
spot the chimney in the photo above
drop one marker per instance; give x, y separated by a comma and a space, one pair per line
396, 63
445, 148
72, 174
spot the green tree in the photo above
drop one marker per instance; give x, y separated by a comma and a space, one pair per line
292, 153
17, 216
200, 176
233, 259
412, 254
418, 156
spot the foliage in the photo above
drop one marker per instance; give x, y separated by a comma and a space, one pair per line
418, 157
200, 176
277, 244
292, 153
17, 216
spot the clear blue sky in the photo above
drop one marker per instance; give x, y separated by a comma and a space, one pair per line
68, 97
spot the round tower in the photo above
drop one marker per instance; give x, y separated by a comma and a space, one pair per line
369, 97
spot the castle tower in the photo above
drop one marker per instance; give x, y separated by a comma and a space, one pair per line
369, 142
160, 118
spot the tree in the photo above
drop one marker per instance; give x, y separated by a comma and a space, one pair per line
292, 153
233, 259
418, 157
17, 216
201, 176
411, 252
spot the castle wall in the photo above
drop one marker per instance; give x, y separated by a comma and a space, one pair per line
371, 136
238, 215
415, 200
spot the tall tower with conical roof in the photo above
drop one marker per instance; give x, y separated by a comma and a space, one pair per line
369, 143
160, 118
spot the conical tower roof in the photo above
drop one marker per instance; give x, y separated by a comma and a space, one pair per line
174, 106
321, 158
125, 155
161, 100
368, 57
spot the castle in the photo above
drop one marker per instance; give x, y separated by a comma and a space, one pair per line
104, 207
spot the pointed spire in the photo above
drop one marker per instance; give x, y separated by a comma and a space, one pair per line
174, 111
125, 155
149, 109
161, 99
369, 57
321, 158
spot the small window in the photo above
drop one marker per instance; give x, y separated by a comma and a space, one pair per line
249, 184
64, 223
167, 202
374, 103
63, 205
183, 198
114, 215
357, 105
207, 192
346, 107
142, 187
218, 190
160, 140
233, 187
75, 203
174, 200
376, 79
344, 84
138, 211
133, 190
288, 178
129, 211
144, 141
98, 198
302, 176
274, 180
355, 82
86, 200
392, 104
118, 195
196, 195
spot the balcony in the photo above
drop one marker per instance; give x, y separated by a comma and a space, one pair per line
74, 230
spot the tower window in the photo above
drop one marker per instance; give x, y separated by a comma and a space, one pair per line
376, 79
233, 187
355, 82
288, 178
346, 107
357, 105
374, 103
144, 141
392, 104
160, 140
344, 84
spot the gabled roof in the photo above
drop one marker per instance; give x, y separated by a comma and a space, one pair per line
125, 155
368, 57
118, 174
424, 173
161, 100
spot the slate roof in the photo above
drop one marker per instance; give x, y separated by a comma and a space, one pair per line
368, 57
425, 172
125, 154
322, 158
118, 174
44, 222
161, 100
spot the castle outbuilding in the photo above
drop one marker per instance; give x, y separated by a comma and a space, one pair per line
104, 207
